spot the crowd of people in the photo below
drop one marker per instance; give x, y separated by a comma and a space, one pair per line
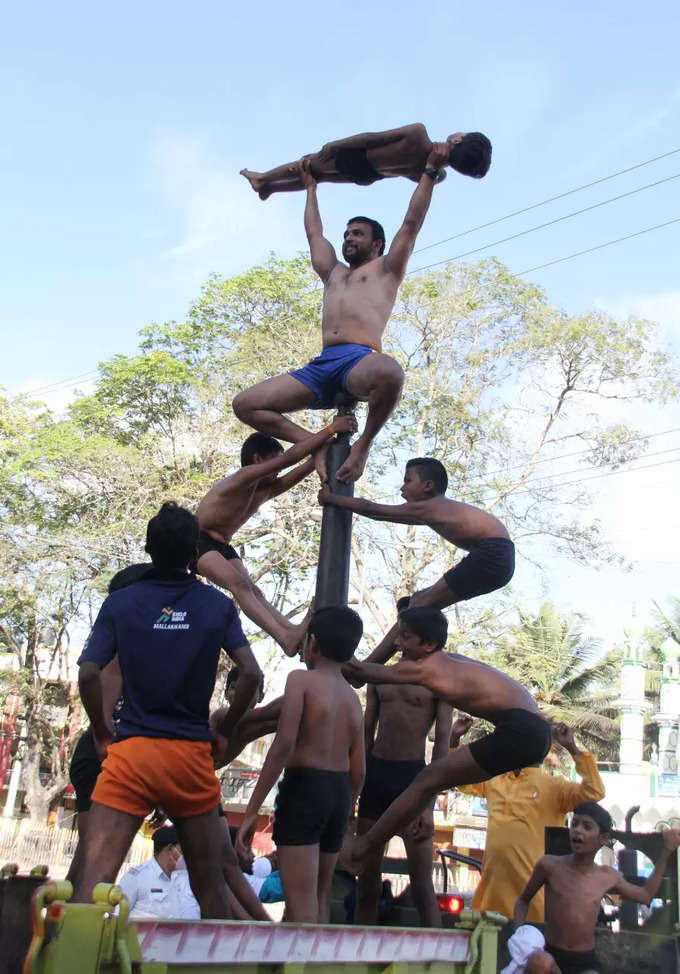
148, 669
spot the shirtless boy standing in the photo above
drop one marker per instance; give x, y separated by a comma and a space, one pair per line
363, 159
490, 563
521, 736
358, 300
231, 502
575, 886
403, 716
320, 744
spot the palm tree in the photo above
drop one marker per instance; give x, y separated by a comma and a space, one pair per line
566, 673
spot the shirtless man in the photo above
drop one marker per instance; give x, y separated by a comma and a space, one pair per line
363, 159
403, 716
319, 742
232, 501
521, 736
575, 886
358, 300
490, 563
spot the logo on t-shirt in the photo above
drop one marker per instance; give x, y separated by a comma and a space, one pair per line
169, 619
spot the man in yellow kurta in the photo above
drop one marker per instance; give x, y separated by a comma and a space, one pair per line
520, 805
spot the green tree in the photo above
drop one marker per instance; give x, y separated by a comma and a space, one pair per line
566, 673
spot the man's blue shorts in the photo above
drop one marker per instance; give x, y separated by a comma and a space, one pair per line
325, 375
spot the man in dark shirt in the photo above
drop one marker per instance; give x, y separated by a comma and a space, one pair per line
168, 631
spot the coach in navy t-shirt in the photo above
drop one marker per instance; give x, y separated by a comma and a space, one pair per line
168, 631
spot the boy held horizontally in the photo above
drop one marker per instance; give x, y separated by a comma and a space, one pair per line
319, 742
575, 886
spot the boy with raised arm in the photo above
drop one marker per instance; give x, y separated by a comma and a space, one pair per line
358, 300
520, 737
363, 159
574, 887
232, 501
490, 563
319, 743
403, 716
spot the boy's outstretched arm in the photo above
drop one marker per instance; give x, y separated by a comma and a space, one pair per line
409, 513
645, 894
536, 880
405, 671
278, 755
254, 471
248, 682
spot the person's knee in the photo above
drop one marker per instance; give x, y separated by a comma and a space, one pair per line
242, 405
388, 376
540, 963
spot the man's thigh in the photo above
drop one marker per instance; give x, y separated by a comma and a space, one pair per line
228, 573
370, 370
282, 394
202, 840
108, 837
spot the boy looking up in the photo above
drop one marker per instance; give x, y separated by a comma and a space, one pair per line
520, 737
319, 742
574, 887
168, 631
403, 716
490, 563
363, 159
234, 500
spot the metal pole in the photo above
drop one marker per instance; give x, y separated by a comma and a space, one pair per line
332, 575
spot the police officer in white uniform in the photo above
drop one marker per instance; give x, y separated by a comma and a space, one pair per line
155, 889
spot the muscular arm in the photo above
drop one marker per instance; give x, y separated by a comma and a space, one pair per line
442, 730
405, 671
90, 685
291, 479
536, 881
402, 246
409, 513
371, 717
375, 140
321, 250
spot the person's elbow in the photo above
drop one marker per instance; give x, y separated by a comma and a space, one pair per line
88, 673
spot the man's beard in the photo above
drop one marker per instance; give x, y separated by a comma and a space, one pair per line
354, 257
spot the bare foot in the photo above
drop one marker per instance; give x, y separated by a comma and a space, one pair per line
293, 639
257, 183
353, 467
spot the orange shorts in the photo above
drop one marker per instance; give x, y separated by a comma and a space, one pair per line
141, 773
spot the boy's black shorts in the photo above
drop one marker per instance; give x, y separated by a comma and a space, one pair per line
574, 961
312, 806
520, 738
490, 565
207, 543
385, 781
84, 770
354, 163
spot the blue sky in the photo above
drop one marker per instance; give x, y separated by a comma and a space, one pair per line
124, 129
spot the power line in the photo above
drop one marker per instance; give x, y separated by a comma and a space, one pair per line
551, 199
590, 250
550, 223
598, 476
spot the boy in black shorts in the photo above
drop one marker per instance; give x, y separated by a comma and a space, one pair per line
575, 886
490, 563
403, 716
521, 736
319, 742
234, 500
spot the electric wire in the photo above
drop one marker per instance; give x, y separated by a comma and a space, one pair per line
550, 199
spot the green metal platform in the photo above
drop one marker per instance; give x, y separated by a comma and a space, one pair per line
75, 938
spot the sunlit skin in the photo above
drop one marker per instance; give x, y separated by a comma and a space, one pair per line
575, 885
231, 502
397, 152
358, 300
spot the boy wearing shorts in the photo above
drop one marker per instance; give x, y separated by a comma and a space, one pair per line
574, 887
319, 743
520, 737
168, 631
